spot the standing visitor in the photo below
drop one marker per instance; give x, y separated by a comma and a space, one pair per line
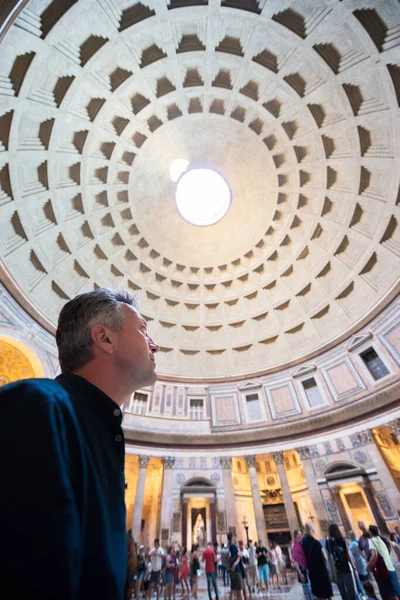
170, 563
244, 562
336, 547
316, 558
210, 560
225, 566
263, 569
394, 548
235, 572
300, 564
360, 565
156, 555
253, 567
184, 573
74, 532
382, 567
141, 570
194, 570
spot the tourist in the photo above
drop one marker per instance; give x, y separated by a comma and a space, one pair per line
156, 555
184, 573
275, 562
299, 562
363, 546
263, 568
225, 566
235, 572
360, 565
321, 586
382, 567
210, 559
147, 576
253, 567
74, 464
170, 563
394, 548
141, 570
244, 565
340, 559
194, 570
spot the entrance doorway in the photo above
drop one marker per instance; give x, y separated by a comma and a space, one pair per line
198, 498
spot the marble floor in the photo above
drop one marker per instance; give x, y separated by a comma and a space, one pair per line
292, 591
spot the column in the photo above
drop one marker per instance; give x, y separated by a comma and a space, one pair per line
386, 493
184, 522
257, 504
230, 510
316, 497
287, 496
213, 521
139, 498
166, 502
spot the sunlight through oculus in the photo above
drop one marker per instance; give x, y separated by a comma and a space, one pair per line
202, 196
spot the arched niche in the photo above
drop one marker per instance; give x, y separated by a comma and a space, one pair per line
17, 361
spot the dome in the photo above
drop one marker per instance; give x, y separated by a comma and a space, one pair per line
97, 104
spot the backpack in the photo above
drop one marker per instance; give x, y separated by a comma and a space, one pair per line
338, 553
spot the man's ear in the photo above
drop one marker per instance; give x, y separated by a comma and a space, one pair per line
102, 339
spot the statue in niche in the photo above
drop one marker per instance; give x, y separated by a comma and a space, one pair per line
198, 531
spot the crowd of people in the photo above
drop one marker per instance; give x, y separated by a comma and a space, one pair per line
357, 566
246, 569
352, 564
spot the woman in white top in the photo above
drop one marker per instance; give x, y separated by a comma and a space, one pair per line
382, 567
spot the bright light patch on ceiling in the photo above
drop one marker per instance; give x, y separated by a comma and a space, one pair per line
202, 196
178, 167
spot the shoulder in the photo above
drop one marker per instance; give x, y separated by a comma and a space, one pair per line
33, 398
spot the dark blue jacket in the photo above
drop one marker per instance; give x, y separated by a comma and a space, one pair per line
62, 511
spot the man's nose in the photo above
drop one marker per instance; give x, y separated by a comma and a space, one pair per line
153, 346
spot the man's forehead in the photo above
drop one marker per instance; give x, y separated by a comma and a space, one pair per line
131, 309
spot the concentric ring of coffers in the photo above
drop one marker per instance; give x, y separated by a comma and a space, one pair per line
307, 116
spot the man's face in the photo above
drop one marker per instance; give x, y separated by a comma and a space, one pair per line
361, 525
299, 536
135, 350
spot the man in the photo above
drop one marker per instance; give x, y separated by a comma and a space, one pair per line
62, 458
253, 566
235, 570
244, 565
156, 555
358, 561
210, 559
263, 569
365, 552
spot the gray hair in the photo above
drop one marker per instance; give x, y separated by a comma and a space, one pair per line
79, 315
